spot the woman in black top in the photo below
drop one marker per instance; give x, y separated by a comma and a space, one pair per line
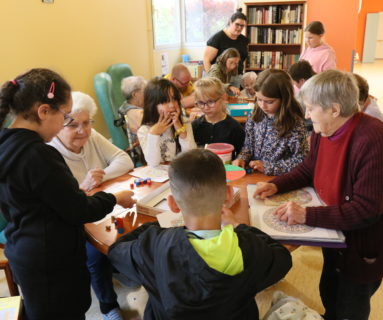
230, 37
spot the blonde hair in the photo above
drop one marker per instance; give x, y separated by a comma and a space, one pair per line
209, 87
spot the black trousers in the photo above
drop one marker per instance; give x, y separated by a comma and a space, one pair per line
342, 298
61, 293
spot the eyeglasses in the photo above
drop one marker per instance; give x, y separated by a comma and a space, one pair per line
209, 103
67, 118
77, 126
238, 25
183, 84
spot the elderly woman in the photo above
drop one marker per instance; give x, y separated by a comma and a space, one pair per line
133, 90
345, 168
248, 85
92, 160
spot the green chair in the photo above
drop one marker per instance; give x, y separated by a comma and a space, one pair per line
118, 72
103, 87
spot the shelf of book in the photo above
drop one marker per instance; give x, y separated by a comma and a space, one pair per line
275, 31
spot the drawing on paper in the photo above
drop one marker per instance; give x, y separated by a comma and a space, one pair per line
273, 222
301, 197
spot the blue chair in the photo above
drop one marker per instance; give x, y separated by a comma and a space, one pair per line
118, 72
103, 88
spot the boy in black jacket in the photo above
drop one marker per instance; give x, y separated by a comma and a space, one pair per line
200, 271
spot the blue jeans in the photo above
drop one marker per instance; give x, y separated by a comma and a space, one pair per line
341, 297
100, 270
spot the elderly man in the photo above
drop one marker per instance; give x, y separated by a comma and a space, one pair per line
181, 78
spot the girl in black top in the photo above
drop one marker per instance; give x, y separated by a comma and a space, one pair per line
42, 202
215, 125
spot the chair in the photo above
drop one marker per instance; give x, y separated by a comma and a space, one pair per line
103, 88
4, 264
118, 72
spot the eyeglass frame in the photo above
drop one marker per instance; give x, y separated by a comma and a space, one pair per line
83, 125
183, 84
67, 118
209, 103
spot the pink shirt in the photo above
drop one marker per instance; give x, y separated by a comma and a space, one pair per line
321, 58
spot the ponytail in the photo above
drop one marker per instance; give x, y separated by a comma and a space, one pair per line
7, 93
19, 96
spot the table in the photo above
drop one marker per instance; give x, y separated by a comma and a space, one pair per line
102, 239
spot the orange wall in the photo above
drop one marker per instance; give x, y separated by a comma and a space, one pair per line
368, 6
340, 20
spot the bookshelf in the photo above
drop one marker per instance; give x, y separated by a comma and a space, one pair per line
275, 31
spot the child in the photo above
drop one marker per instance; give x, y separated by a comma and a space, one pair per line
202, 270
226, 68
276, 138
300, 72
42, 202
368, 104
248, 83
319, 54
215, 125
163, 133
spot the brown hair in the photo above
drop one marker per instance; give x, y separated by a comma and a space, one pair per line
274, 83
315, 27
20, 95
363, 87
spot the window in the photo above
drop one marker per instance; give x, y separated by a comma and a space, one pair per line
200, 19
166, 23
203, 18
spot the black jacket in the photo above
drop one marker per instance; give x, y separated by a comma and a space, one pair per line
46, 211
226, 131
182, 286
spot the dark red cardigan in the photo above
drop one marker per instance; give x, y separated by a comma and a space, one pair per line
361, 211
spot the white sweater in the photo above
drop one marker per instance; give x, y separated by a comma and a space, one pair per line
97, 153
161, 148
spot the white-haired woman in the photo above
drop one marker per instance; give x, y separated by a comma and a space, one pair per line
248, 84
345, 168
133, 90
92, 160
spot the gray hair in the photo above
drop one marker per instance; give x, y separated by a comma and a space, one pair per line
248, 75
132, 84
329, 87
83, 102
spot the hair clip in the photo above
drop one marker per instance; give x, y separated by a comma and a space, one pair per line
14, 82
51, 92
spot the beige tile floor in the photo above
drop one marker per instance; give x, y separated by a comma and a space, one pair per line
301, 282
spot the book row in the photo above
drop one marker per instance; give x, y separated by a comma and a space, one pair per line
275, 14
270, 59
275, 36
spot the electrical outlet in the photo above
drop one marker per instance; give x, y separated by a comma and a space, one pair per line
48, 1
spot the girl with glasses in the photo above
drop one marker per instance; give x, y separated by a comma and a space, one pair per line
42, 201
276, 138
215, 125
